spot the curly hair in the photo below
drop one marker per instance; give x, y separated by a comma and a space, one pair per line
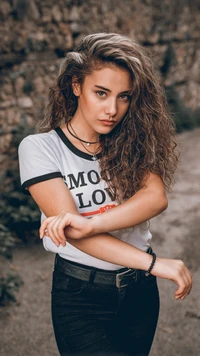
144, 141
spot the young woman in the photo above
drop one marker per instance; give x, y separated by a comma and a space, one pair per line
98, 171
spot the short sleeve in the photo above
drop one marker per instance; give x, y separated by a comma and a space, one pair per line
36, 162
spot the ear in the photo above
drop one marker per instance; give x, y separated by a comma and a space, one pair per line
76, 86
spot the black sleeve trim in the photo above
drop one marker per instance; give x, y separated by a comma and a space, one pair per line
39, 179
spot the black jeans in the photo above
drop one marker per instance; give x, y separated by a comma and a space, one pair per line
102, 320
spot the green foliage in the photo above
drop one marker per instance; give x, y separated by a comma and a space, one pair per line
8, 287
7, 242
20, 218
20, 215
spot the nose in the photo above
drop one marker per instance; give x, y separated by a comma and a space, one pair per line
111, 107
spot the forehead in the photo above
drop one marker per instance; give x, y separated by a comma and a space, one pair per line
111, 77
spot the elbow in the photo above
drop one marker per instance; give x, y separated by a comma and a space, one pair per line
163, 203
159, 201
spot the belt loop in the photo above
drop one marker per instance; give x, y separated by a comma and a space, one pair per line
92, 275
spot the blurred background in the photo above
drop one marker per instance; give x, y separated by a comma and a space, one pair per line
35, 36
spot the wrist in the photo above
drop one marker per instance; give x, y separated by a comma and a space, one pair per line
157, 268
149, 270
95, 225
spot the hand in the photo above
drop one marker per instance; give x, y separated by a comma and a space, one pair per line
176, 271
63, 226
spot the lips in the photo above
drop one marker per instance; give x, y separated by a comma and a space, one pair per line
108, 122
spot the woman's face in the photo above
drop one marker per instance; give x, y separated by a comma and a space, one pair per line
103, 99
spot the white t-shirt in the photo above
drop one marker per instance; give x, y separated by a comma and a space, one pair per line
50, 155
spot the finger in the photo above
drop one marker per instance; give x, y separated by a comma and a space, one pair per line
58, 229
188, 278
59, 225
63, 224
190, 281
179, 293
182, 291
44, 225
185, 284
49, 233
182, 287
49, 228
46, 229
189, 285
61, 234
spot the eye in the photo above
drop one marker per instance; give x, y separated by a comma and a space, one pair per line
101, 93
125, 97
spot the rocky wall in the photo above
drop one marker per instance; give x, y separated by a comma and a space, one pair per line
36, 34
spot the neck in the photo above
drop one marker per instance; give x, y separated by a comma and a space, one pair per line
82, 135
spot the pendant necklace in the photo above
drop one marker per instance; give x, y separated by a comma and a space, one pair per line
88, 143
82, 142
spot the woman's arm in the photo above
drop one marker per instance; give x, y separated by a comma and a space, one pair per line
108, 248
148, 202
116, 251
53, 197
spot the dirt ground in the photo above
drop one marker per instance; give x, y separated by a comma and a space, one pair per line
25, 328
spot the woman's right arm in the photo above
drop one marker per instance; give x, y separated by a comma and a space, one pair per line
53, 198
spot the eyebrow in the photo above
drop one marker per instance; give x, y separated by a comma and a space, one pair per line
106, 89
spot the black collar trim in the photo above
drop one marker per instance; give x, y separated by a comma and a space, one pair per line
72, 148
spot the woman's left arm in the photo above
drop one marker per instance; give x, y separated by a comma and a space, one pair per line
148, 202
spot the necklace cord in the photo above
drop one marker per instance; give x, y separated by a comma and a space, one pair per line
78, 138
94, 157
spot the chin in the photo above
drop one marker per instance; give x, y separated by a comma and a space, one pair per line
105, 131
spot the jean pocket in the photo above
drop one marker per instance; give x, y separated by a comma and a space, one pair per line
149, 282
64, 284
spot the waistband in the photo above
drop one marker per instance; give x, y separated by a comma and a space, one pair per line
120, 278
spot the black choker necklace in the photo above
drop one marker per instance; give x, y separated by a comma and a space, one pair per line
88, 143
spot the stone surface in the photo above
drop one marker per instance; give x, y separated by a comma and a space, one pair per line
12, 117
25, 102
38, 84
19, 85
56, 13
36, 35
5, 142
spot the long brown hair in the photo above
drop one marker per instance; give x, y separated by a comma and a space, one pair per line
143, 141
